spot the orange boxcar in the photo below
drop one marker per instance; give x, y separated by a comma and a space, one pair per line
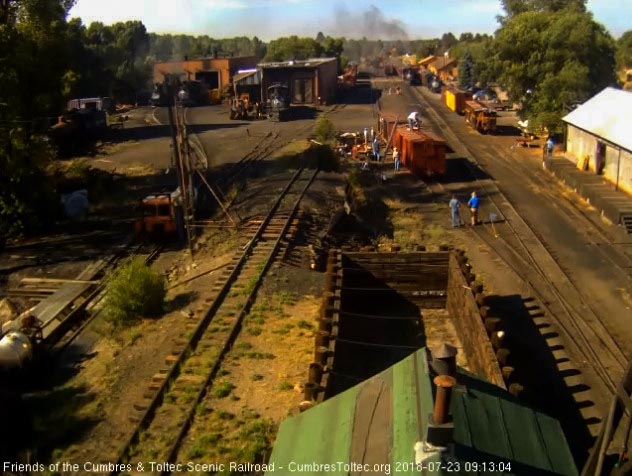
422, 152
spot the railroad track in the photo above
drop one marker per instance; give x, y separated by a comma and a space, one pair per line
524, 251
75, 323
271, 141
170, 405
595, 237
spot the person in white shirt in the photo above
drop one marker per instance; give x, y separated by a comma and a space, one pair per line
414, 120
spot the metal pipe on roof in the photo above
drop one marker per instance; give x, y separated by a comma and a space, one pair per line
444, 360
444, 385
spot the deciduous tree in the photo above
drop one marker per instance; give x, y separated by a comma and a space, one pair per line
624, 50
551, 59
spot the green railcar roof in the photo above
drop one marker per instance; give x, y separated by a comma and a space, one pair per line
377, 423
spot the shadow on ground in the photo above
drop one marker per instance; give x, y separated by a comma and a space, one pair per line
531, 348
361, 93
154, 131
459, 169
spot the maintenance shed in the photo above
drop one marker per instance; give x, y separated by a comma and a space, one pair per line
212, 71
388, 425
311, 81
598, 136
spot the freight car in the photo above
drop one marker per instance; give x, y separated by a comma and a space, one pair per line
422, 152
455, 99
481, 118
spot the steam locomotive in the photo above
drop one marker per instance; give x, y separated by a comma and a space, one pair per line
278, 104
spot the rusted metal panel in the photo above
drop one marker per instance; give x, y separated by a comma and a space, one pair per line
423, 153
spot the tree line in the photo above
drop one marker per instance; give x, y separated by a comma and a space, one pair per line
548, 54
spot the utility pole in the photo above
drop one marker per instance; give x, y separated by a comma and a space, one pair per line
171, 98
180, 160
184, 171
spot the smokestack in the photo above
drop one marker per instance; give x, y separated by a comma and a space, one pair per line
444, 385
444, 360
440, 427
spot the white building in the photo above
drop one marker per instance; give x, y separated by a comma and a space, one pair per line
599, 136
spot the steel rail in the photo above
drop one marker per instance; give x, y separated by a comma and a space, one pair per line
173, 452
158, 398
577, 335
92, 298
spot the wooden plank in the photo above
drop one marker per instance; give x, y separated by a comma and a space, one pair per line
372, 424
19, 292
419, 256
47, 310
56, 280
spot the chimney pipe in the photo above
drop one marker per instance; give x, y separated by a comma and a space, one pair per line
444, 360
444, 385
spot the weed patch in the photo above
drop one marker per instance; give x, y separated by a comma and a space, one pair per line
223, 389
285, 385
134, 291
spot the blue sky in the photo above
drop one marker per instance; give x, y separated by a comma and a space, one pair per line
268, 19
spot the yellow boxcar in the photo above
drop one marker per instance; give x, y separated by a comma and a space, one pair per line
455, 99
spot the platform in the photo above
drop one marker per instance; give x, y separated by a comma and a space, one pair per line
615, 205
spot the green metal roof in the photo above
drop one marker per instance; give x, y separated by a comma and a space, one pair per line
377, 423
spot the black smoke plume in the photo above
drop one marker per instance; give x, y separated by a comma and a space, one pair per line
371, 24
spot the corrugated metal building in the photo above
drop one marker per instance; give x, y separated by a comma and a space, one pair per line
598, 136
214, 72
380, 427
308, 80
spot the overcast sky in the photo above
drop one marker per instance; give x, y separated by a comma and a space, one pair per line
269, 19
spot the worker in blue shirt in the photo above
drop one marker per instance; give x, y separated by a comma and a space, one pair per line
454, 211
549, 146
473, 203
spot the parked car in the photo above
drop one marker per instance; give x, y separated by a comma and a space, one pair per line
473, 89
485, 95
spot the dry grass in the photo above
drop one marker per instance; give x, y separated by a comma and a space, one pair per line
439, 329
411, 227
265, 371
293, 148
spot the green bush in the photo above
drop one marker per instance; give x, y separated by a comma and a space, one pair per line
324, 129
134, 291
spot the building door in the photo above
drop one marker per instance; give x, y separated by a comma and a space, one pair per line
210, 78
302, 91
600, 158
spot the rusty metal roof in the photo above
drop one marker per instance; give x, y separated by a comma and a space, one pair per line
379, 421
606, 115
